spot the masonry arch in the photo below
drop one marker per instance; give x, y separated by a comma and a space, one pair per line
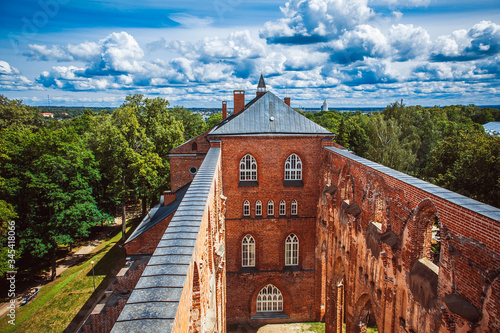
420, 253
285, 297
364, 314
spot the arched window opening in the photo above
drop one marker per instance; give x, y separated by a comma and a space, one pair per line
292, 250
246, 208
258, 208
294, 207
248, 251
269, 299
282, 207
248, 168
435, 242
270, 208
293, 168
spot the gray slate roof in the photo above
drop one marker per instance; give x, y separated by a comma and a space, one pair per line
153, 304
458, 199
158, 214
268, 114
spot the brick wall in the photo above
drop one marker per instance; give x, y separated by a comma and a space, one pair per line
270, 232
383, 266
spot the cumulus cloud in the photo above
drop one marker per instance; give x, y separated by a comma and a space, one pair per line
364, 41
84, 51
11, 78
481, 41
408, 42
312, 21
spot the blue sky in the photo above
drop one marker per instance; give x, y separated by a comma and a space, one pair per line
194, 53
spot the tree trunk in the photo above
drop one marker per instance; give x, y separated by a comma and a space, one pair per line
124, 219
54, 265
144, 208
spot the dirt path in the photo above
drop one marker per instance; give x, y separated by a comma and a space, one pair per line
63, 264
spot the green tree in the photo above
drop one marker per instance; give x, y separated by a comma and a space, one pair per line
15, 113
193, 123
468, 163
49, 177
352, 135
213, 120
387, 146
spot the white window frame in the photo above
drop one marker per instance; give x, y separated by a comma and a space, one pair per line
292, 250
282, 208
246, 208
293, 167
258, 208
248, 251
270, 299
248, 168
294, 207
270, 208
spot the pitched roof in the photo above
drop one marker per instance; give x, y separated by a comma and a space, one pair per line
268, 114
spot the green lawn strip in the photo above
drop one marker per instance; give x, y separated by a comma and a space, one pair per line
316, 327
59, 301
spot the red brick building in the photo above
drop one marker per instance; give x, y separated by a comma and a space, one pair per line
280, 224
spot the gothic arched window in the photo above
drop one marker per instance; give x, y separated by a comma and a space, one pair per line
248, 168
248, 251
269, 299
292, 250
293, 168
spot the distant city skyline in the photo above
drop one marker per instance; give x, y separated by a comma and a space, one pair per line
352, 53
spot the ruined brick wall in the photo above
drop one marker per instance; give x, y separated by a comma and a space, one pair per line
297, 283
202, 304
374, 245
147, 242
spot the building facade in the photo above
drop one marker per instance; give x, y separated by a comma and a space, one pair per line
280, 224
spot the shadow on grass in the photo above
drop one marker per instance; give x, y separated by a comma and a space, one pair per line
109, 265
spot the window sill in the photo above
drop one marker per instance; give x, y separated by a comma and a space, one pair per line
295, 268
246, 183
293, 183
249, 269
270, 315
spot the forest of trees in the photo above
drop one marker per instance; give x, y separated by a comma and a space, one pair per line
446, 146
58, 179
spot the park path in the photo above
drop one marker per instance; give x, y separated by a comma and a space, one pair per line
62, 264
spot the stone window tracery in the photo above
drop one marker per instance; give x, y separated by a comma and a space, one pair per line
282, 207
248, 168
269, 299
294, 207
246, 208
292, 250
248, 251
270, 208
293, 168
258, 208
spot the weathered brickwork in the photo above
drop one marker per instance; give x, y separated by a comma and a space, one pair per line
375, 232
296, 283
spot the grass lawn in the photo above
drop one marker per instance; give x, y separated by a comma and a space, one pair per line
59, 301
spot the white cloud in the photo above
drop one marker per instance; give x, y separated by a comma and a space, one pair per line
408, 42
11, 78
481, 41
311, 21
363, 41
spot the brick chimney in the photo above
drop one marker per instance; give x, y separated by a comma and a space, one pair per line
224, 110
239, 100
169, 197
287, 101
